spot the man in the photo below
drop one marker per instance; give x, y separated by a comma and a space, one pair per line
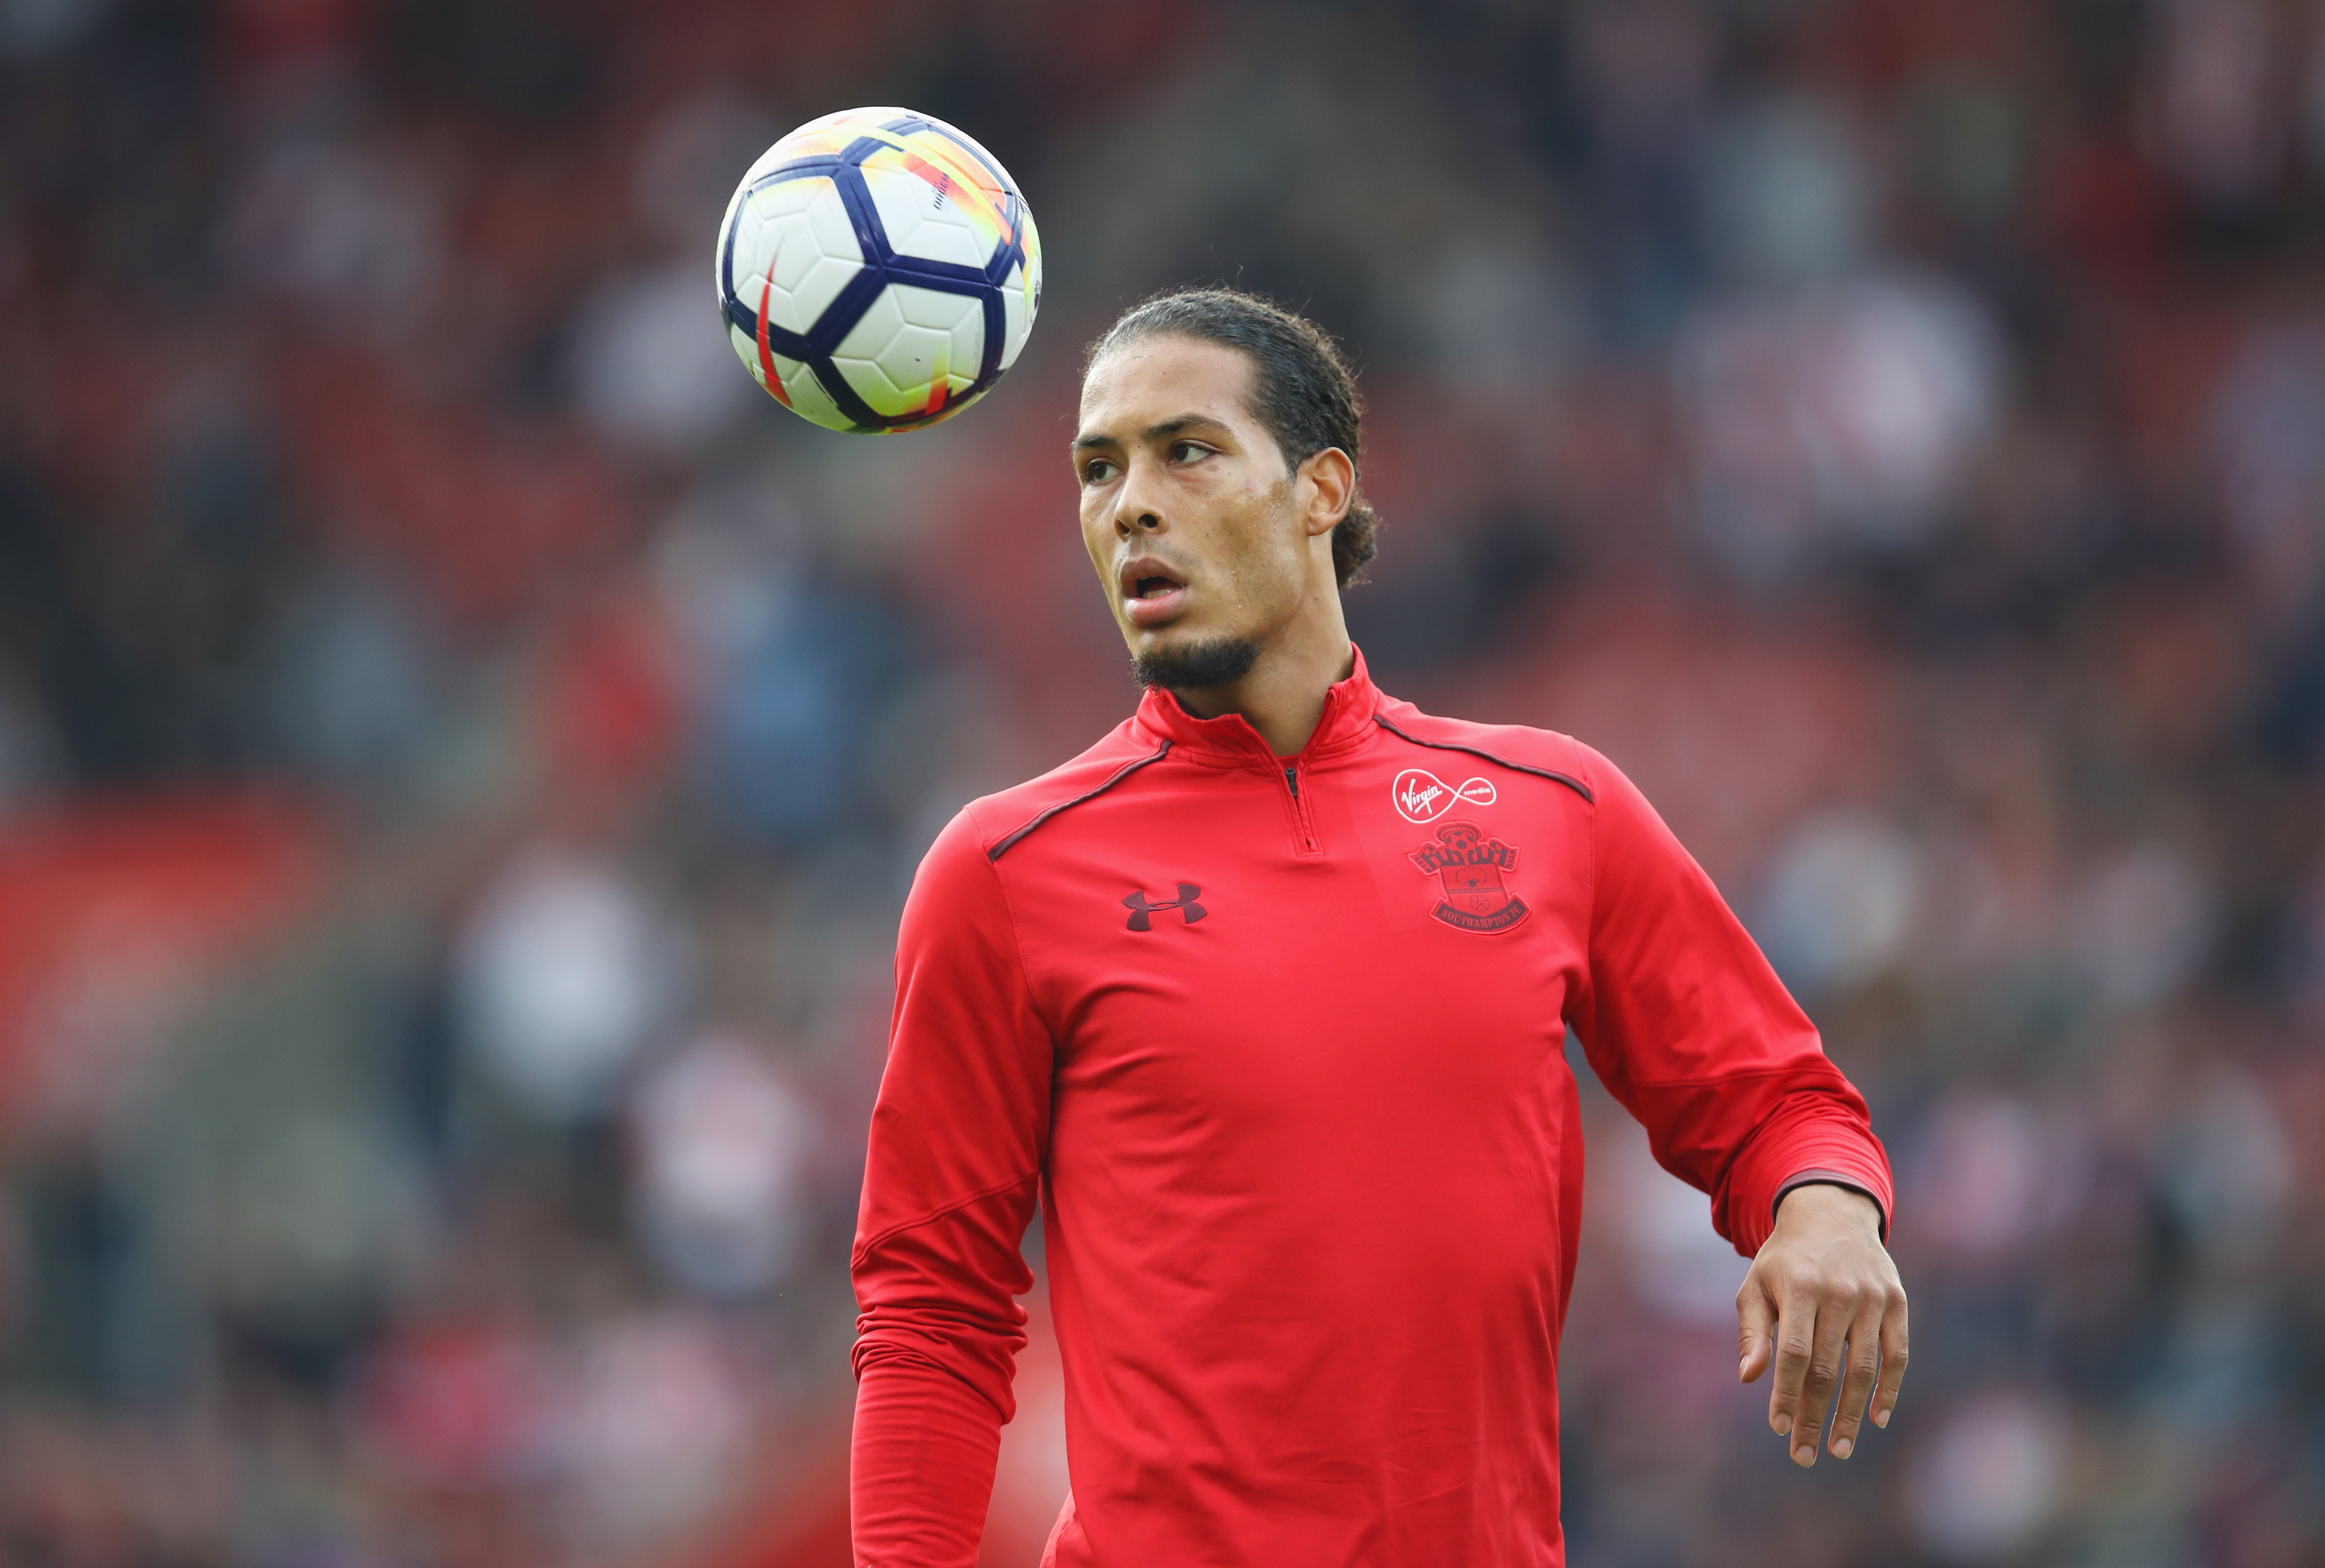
1265, 998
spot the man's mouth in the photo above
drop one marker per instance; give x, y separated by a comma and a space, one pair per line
1152, 593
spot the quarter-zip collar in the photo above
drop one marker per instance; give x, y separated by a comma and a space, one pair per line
1347, 723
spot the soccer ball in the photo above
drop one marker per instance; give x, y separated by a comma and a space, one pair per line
878, 271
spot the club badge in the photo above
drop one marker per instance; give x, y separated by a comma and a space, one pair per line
1469, 867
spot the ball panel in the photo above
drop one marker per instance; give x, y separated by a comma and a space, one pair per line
925, 219
958, 154
794, 246
954, 182
962, 314
914, 352
948, 343
858, 354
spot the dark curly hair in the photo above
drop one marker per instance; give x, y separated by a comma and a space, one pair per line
1302, 387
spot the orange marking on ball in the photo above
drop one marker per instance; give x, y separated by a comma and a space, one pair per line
774, 381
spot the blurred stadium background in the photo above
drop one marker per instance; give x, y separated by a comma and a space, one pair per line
462, 748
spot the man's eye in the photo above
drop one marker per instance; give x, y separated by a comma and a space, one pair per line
1096, 472
1187, 451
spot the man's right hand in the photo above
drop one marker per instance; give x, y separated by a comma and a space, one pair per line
1824, 1290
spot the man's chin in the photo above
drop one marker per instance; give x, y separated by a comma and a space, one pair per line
1192, 661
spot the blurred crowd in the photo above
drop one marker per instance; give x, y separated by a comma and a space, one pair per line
463, 747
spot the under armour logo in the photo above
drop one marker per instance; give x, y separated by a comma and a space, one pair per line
1140, 910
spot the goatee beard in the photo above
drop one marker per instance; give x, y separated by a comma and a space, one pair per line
1216, 661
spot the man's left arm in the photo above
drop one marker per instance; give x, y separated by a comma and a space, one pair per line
1688, 1026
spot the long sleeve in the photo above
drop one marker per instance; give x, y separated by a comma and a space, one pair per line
952, 1173
1689, 1027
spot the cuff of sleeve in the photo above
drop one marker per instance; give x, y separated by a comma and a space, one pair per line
920, 1466
1808, 1149
1831, 1178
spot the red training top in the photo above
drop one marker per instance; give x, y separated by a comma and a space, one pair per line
1279, 1044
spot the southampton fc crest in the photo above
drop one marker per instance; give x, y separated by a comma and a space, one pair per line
1470, 866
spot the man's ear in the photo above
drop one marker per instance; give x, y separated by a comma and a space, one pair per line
1328, 484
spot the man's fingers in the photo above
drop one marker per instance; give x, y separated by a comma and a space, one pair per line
1894, 1338
1795, 1348
1833, 1316
1862, 1361
1755, 1327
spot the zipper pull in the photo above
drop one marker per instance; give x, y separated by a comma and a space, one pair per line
1292, 778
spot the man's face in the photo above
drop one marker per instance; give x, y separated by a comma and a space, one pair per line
1192, 519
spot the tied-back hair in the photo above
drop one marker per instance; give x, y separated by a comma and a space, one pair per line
1302, 387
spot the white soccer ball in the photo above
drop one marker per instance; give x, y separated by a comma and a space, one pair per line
878, 271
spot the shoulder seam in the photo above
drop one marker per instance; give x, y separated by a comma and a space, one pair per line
1009, 841
1576, 785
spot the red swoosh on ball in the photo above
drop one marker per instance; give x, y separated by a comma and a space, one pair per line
766, 358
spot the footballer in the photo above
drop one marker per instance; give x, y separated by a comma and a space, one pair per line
1262, 1001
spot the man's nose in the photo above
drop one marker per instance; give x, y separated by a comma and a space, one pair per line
1138, 509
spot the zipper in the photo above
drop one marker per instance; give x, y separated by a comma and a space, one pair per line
1303, 825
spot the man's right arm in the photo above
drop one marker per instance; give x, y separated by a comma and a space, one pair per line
954, 1166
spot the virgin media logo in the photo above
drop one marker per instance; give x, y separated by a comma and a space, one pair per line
1421, 796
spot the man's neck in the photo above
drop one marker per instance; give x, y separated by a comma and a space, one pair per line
1284, 696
